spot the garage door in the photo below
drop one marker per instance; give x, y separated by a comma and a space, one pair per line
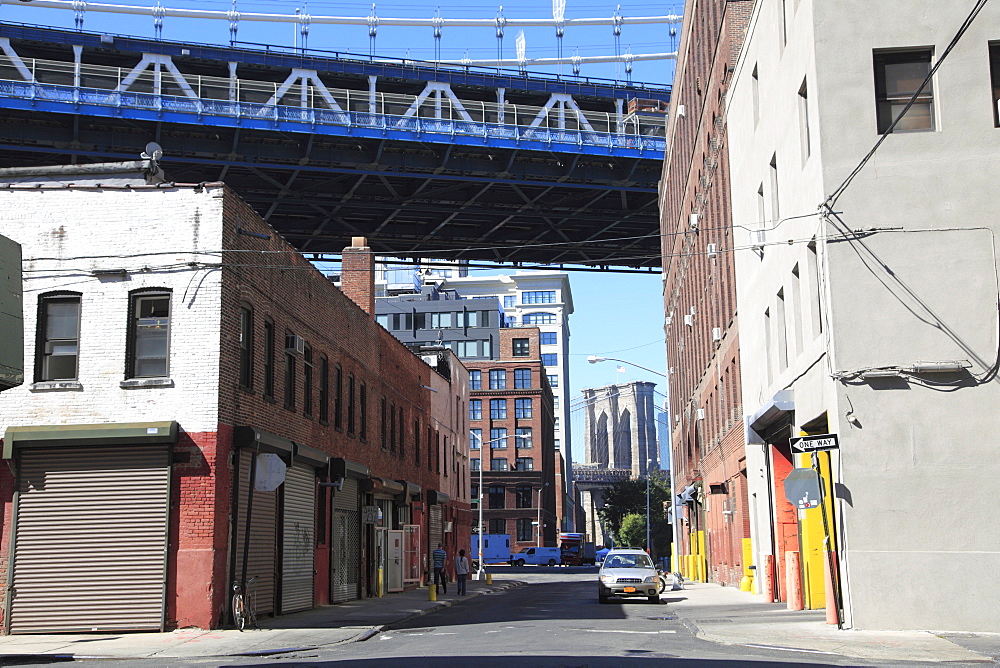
91, 539
263, 538
298, 544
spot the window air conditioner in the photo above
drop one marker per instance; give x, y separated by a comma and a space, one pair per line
758, 238
295, 343
693, 221
716, 333
692, 310
689, 320
711, 250
701, 413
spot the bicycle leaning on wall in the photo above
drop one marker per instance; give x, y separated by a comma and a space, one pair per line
245, 603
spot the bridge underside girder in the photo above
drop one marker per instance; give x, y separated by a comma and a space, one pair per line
411, 199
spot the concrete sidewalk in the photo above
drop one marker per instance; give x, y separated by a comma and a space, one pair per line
729, 616
327, 625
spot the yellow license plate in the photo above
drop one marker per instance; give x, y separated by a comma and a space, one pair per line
629, 590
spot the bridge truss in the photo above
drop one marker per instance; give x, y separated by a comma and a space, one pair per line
426, 161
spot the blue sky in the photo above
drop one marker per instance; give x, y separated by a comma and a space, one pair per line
617, 315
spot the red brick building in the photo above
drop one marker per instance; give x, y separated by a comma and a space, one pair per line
512, 428
707, 440
193, 342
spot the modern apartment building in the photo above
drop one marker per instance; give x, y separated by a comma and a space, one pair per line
541, 299
511, 421
867, 293
702, 332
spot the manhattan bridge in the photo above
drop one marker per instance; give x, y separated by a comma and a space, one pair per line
489, 160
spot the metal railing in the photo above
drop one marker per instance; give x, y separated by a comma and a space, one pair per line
160, 90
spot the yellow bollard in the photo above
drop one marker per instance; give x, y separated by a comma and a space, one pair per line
489, 578
432, 592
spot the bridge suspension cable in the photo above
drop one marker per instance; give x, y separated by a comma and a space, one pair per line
438, 21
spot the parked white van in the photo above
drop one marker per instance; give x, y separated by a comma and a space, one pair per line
539, 556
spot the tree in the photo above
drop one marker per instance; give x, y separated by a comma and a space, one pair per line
633, 531
628, 497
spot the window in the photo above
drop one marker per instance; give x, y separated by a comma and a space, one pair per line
522, 347
509, 321
555, 402
498, 379
382, 319
539, 319
522, 496
804, 121
761, 212
474, 494
392, 428
246, 347
553, 380
57, 352
522, 379
402, 434
522, 408
898, 75
475, 379
539, 297
498, 465
525, 464
435, 320
556, 444
363, 410
474, 464
307, 380
995, 81
475, 439
475, 409
781, 331
289, 374
350, 404
384, 440
416, 442
524, 529
498, 526
555, 422
550, 359
755, 92
338, 398
497, 497
814, 276
522, 437
549, 339
269, 359
149, 335
498, 409
324, 389
509, 301
498, 438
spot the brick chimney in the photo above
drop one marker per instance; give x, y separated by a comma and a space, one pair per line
357, 274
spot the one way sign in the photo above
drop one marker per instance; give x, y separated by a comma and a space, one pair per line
814, 443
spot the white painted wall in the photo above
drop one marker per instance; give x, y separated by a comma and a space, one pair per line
916, 467
153, 233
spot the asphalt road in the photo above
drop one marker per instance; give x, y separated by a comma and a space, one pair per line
555, 620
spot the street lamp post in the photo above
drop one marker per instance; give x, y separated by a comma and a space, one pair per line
594, 359
480, 572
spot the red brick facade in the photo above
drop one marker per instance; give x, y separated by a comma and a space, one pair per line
541, 479
700, 292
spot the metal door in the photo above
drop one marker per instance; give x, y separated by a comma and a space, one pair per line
394, 561
411, 554
345, 554
90, 547
263, 537
298, 544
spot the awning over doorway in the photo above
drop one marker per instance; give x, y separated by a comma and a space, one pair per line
776, 412
251, 437
127, 433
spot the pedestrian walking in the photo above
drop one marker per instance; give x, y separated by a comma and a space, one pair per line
439, 557
461, 571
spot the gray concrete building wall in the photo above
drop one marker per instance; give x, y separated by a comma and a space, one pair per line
838, 312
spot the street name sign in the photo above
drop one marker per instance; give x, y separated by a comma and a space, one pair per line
802, 488
814, 443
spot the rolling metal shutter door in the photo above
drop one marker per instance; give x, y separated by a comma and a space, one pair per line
263, 538
346, 532
299, 539
435, 529
90, 551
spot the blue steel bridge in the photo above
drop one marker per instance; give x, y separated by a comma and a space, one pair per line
426, 161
